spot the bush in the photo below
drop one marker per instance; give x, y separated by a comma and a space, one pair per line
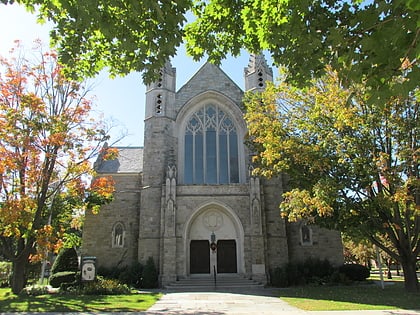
65, 277
279, 278
5, 273
132, 275
66, 260
103, 286
300, 273
35, 290
129, 275
150, 275
355, 272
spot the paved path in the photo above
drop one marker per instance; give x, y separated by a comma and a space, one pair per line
248, 302
215, 303
263, 301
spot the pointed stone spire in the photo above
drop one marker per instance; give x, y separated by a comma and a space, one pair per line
160, 93
166, 80
257, 73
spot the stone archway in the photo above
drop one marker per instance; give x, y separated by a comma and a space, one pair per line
221, 222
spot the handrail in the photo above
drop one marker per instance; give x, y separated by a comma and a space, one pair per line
214, 275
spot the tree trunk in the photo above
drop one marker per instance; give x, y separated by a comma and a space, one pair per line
18, 280
411, 283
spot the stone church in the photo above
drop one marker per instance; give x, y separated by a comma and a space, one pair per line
188, 198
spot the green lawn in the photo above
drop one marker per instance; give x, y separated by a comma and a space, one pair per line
361, 297
71, 303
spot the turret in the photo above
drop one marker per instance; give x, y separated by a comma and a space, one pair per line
160, 94
257, 73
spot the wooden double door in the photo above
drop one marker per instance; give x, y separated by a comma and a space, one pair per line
200, 257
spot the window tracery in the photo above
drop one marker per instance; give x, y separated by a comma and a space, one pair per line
118, 235
211, 148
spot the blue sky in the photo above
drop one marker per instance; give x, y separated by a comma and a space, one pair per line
122, 99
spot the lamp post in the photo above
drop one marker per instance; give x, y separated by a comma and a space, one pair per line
213, 247
213, 244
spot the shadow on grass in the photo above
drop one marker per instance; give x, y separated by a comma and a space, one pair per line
72, 303
392, 296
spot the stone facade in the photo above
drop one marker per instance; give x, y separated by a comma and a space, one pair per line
188, 198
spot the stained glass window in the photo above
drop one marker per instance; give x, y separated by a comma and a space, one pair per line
211, 148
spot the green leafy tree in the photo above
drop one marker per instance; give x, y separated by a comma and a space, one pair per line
47, 139
358, 251
365, 41
353, 164
66, 260
122, 36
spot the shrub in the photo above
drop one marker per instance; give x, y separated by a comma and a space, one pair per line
66, 260
317, 269
5, 273
103, 286
355, 272
300, 273
130, 275
35, 290
295, 273
150, 275
64, 277
279, 278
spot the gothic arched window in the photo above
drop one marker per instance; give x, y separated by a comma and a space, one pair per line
305, 234
118, 235
211, 148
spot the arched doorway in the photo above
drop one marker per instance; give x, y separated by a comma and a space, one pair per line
217, 224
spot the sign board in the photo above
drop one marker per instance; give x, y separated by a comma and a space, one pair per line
88, 268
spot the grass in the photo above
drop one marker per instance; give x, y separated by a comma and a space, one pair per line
368, 296
71, 303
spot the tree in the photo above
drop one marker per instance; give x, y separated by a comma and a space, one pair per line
353, 164
365, 41
122, 36
46, 142
358, 251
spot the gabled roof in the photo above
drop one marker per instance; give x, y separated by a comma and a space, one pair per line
209, 78
129, 160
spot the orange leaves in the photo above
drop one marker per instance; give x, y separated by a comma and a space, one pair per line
103, 186
47, 141
110, 153
48, 240
17, 210
101, 192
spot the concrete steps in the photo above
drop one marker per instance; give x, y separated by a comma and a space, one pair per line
206, 283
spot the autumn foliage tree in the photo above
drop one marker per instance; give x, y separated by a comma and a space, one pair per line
353, 163
47, 139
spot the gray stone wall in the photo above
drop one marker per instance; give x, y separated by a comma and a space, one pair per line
275, 227
97, 232
326, 244
208, 78
158, 152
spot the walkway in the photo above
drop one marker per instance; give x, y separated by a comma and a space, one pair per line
248, 302
253, 302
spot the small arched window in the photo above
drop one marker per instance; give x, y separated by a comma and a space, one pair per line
118, 235
305, 234
211, 148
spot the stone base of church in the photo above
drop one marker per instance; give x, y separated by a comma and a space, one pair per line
167, 279
258, 273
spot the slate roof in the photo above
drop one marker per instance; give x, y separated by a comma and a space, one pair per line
130, 160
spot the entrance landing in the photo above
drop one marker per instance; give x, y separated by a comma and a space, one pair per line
207, 283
